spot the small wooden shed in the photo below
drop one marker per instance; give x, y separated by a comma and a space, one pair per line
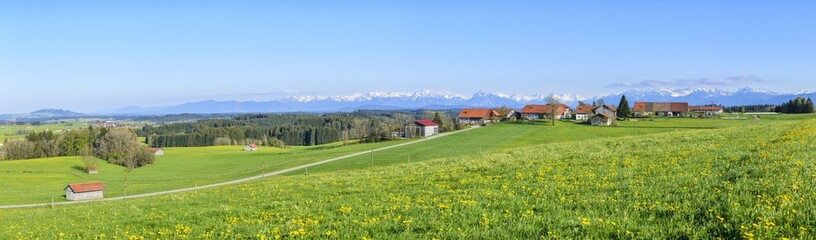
157, 151
84, 191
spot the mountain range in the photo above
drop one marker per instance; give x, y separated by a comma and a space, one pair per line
440, 99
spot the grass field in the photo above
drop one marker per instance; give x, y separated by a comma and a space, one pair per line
41, 180
753, 181
11, 132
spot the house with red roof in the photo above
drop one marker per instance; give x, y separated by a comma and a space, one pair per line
534, 111
474, 116
84, 191
251, 147
426, 128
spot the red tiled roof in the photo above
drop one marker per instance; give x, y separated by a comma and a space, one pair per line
253, 146
155, 149
585, 109
426, 123
543, 109
477, 113
86, 187
639, 107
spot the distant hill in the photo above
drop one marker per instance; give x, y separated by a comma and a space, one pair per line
42, 114
429, 99
56, 113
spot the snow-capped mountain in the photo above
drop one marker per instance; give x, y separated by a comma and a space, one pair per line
433, 99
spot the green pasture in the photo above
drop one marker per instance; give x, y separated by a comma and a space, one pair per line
44, 179
13, 131
752, 181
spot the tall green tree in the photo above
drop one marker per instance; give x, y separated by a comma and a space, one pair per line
623, 108
438, 119
809, 105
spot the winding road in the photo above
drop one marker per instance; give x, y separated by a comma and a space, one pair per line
237, 180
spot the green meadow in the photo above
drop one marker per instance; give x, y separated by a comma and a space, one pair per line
44, 179
12, 131
756, 180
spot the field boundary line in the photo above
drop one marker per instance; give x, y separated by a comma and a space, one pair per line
242, 180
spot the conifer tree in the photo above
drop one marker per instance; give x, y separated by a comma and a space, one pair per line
623, 108
437, 119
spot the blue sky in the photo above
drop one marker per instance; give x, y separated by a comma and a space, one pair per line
95, 55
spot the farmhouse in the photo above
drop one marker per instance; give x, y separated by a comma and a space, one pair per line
426, 128
602, 119
584, 112
251, 147
663, 109
606, 109
84, 191
706, 110
477, 116
157, 151
533, 111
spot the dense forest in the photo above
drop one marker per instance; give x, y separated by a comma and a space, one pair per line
293, 129
118, 146
798, 105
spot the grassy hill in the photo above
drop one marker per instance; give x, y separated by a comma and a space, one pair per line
747, 182
41, 180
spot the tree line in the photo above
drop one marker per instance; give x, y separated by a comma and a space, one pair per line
117, 146
798, 105
282, 130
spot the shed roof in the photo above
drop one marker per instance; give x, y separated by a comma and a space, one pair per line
86, 187
585, 109
155, 149
252, 146
426, 123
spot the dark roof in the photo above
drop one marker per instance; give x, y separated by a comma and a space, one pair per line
426, 123
661, 106
585, 109
610, 107
85, 187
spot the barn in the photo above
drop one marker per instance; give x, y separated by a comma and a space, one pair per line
427, 127
662, 109
157, 151
602, 119
84, 191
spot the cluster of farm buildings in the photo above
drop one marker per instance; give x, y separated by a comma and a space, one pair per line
597, 115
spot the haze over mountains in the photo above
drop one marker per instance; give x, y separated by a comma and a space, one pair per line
432, 99
435, 99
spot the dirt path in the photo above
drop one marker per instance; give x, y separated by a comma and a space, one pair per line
237, 180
